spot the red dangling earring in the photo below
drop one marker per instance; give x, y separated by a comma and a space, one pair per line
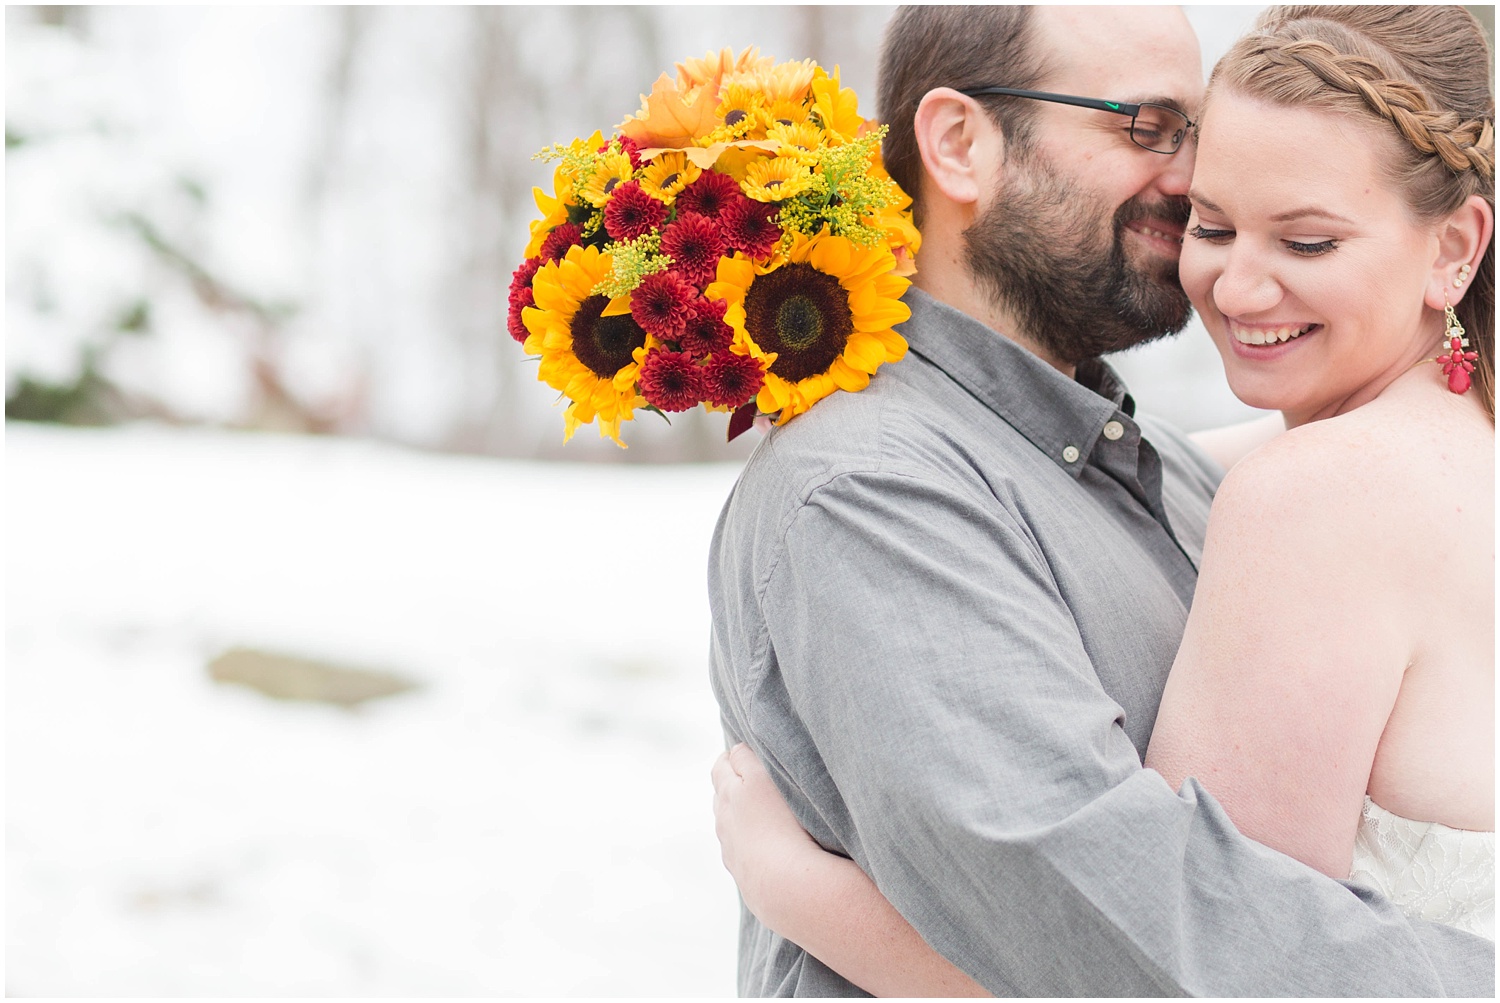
1457, 363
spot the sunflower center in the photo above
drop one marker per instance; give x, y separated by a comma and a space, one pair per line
670, 180
799, 323
735, 117
609, 185
604, 344
802, 315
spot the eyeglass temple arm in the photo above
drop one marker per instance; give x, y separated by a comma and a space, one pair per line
1094, 103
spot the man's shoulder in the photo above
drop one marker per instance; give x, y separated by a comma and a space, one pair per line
911, 421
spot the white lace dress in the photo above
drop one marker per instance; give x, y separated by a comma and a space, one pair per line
1429, 870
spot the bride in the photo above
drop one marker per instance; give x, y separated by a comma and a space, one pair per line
1335, 685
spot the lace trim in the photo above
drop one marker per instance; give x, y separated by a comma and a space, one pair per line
1429, 870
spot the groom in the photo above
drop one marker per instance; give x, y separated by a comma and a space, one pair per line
944, 608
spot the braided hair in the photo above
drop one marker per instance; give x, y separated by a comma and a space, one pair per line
1423, 70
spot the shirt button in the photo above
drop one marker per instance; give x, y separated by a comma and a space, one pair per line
1113, 430
1070, 454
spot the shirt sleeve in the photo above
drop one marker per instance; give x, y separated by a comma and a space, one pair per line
988, 787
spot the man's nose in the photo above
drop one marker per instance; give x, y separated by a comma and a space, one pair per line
1177, 174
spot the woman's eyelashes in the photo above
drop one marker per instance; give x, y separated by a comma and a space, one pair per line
1310, 249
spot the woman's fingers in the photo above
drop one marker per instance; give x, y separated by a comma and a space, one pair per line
745, 763
722, 772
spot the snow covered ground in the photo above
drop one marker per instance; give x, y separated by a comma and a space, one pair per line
533, 820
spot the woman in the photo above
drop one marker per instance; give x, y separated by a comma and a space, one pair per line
1341, 233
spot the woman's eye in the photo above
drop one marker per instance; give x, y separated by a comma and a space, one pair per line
1312, 250
1204, 233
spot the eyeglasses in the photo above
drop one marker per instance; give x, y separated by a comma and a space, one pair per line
1153, 127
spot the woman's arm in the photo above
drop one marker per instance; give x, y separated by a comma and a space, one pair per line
1229, 444
820, 901
1295, 648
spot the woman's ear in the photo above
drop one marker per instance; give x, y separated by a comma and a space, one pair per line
1462, 240
961, 147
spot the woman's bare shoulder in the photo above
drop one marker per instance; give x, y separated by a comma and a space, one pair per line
1385, 460
1361, 502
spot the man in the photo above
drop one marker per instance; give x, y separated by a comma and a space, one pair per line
945, 607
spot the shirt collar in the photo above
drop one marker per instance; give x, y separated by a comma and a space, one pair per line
1062, 417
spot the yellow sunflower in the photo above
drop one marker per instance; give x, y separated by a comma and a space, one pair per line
554, 211
786, 113
740, 109
838, 108
776, 179
589, 357
820, 322
895, 222
613, 169
667, 175
800, 142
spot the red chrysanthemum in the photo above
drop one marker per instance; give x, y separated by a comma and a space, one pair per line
694, 243
663, 304
731, 380
521, 296
632, 150
559, 240
709, 195
522, 276
520, 299
631, 213
749, 226
705, 332
670, 380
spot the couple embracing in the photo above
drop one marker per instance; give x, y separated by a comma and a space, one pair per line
1076, 711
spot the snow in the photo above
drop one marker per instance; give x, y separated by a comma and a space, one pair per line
534, 820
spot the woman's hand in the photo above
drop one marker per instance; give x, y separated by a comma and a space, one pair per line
760, 839
818, 900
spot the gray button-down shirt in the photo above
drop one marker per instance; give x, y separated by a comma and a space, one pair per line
944, 609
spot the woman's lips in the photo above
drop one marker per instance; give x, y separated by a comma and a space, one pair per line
1267, 334
1266, 341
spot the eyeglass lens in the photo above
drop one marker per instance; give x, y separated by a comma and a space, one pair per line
1160, 129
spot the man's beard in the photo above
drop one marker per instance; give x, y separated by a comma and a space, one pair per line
1039, 250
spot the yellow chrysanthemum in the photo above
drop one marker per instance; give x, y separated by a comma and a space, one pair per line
613, 169
799, 142
715, 65
820, 322
587, 356
782, 82
776, 179
667, 175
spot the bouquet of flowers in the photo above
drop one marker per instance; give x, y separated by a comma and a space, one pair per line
735, 244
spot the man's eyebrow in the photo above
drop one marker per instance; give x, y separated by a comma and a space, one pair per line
1165, 102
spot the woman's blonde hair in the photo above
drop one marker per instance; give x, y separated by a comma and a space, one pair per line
1423, 70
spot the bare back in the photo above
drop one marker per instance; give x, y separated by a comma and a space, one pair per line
1341, 640
1436, 758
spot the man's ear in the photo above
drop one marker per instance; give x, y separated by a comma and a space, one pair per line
1462, 240
961, 148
